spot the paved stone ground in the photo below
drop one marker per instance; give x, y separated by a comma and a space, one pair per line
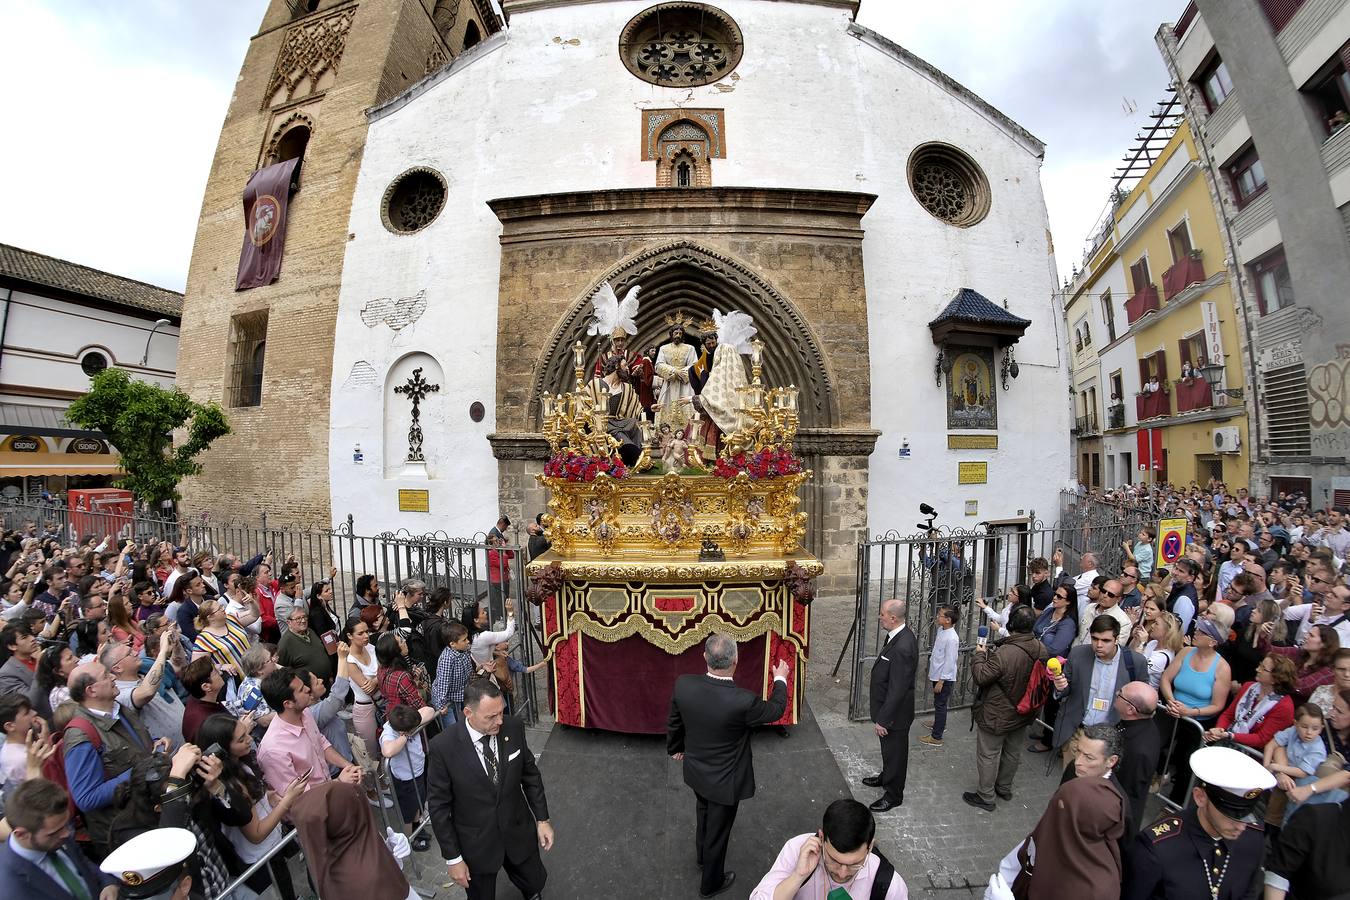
942, 847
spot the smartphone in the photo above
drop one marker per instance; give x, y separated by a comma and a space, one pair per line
215, 750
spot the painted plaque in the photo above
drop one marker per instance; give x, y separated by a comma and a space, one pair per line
972, 401
972, 473
972, 442
414, 500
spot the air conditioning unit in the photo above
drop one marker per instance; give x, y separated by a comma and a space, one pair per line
1227, 440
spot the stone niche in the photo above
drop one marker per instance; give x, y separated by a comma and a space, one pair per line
792, 259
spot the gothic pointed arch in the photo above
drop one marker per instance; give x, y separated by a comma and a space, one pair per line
693, 279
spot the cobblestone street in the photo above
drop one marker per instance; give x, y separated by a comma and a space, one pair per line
941, 846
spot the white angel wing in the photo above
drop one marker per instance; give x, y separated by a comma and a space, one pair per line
610, 313
628, 307
735, 329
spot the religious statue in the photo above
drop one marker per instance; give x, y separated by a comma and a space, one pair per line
633, 368
618, 402
673, 458
673, 361
720, 378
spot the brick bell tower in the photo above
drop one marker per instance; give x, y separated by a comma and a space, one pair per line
265, 354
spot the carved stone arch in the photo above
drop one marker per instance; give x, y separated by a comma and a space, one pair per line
290, 123
687, 277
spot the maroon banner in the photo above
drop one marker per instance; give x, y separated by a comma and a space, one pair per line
265, 200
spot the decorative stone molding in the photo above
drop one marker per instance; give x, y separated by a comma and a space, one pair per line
836, 441
681, 45
297, 119
949, 184
517, 445
309, 57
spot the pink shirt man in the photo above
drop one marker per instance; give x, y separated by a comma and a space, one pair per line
820, 884
287, 752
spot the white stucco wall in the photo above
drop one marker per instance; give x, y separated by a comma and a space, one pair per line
45, 339
549, 107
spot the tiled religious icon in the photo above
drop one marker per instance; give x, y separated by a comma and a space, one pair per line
972, 400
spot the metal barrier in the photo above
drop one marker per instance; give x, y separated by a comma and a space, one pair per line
463, 566
953, 566
384, 772
1165, 782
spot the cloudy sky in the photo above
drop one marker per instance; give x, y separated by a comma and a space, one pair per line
114, 108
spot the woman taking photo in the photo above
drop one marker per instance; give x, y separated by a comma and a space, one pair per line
365, 683
1312, 660
399, 685
1149, 610
242, 775
122, 626
1195, 686
1261, 709
321, 616
1163, 644
1018, 593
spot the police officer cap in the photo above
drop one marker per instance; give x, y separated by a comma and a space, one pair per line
1232, 780
151, 862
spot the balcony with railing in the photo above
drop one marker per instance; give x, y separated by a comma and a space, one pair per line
1193, 393
1152, 405
1115, 415
1145, 300
1087, 425
1185, 272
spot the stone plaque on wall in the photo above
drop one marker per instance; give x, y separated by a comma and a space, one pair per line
972, 442
972, 473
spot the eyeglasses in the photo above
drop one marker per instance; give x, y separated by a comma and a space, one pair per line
1112, 594
847, 867
1120, 695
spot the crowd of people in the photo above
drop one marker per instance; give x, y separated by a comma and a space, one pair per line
144, 687
1219, 680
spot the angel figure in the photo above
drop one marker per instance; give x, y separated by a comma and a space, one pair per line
672, 458
719, 397
615, 318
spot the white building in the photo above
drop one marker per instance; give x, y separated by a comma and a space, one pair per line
869, 191
60, 324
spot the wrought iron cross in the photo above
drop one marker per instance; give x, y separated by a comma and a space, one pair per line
416, 389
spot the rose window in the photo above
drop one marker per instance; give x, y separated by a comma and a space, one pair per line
949, 184
413, 201
681, 45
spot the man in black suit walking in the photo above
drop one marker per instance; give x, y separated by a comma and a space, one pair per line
486, 798
709, 729
893, 704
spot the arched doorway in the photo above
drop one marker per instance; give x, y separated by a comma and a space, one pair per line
688, 278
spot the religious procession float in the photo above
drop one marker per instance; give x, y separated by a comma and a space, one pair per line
667, 524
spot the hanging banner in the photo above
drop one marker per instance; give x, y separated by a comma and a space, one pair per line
1149, 449
265, 201
1209, 311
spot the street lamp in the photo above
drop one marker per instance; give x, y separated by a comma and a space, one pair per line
158, 325
1212, 372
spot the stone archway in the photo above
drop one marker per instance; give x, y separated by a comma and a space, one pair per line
686, 277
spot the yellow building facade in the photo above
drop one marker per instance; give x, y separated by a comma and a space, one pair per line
1181, 318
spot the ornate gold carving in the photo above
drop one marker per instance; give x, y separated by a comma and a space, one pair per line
667, 572
676, 645
310, 50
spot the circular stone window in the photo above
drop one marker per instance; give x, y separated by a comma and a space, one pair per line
413, 201
949, 184
93, 363
681, 45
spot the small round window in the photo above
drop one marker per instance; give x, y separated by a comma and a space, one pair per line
93, 363
949, 184
413, 201
681, 45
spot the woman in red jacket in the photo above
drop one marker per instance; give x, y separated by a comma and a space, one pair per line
1262, 708
499, 573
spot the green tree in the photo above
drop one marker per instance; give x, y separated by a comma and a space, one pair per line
139, 419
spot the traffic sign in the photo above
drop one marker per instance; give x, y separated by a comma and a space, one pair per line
1171, 540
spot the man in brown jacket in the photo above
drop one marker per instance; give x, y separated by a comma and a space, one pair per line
1002, 672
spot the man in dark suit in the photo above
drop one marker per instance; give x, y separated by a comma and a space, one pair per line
1087, 687
892, 704
486, 798
709, 730
41, 859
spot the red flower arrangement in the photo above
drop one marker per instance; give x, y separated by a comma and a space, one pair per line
770, 462
571, 466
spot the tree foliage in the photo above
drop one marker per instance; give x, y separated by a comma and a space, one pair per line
139, 419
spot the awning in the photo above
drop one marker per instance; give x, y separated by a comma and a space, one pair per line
14, 464
33, 418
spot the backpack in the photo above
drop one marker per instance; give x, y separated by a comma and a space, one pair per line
1039, 688
54, 768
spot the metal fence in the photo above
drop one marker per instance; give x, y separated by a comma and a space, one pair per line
341, 554
951, 567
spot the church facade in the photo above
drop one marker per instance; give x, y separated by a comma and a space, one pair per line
884, 227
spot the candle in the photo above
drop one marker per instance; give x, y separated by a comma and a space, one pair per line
756, 351
578, 354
